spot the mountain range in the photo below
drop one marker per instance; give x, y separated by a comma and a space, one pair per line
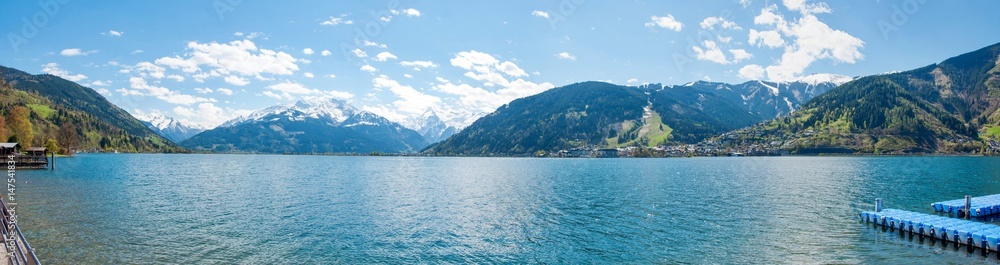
309, 126
597, 114
947, 107
169, 127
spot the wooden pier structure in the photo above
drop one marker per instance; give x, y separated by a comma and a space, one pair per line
29, 158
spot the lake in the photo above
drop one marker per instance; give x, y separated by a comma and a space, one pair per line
118, 208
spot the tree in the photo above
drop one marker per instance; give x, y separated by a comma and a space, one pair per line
69, 138
20, 123
4, 132
52, 145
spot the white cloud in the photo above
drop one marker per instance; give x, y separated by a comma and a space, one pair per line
710, 22
386, 19
360, 54
408, 75
745, 3
145, 69
418, 64
374, 44
207, 115
336, 21
769, 38
511, 69
806, 9
487, 69
710, 53
203, 90
740, 54
331, 76
277, 96
113, 33
326, 53
236, 80
566, 55
176, 78
136, 52
469, 59
290, 90
76, 52
383, 56
241, 57
479, 100
141, 88
53, 69
667, 22
104, 91
187, 66
541, 14
100, 83
410, 100
632, 80
368, 68
308, 51
308, 74
225, 91
411, 12
812, 40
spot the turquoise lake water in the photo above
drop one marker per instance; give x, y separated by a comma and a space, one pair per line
257, 209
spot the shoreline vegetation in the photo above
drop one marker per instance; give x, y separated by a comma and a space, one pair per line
555, 154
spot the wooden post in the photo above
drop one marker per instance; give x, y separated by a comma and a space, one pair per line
53, 160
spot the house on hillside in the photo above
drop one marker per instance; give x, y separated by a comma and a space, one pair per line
606, 153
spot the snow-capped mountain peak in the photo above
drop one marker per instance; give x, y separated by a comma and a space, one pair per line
815, 79
433, 127
336, 111
159, 121
169, 127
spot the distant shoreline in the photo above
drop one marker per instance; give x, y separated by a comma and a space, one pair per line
527, 156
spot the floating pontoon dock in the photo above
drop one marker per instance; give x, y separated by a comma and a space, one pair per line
981, 206
964, 232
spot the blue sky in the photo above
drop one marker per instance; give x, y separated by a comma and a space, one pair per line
204, 62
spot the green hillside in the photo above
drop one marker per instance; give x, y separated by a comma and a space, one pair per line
951, 107
62, 110
594, 114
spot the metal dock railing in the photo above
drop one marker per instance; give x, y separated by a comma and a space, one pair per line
15, 249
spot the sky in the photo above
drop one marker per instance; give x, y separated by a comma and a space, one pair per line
205, 62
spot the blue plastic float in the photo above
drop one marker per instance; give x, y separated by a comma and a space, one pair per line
981, 206
964, 232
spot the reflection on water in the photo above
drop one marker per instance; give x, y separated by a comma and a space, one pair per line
316, 209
